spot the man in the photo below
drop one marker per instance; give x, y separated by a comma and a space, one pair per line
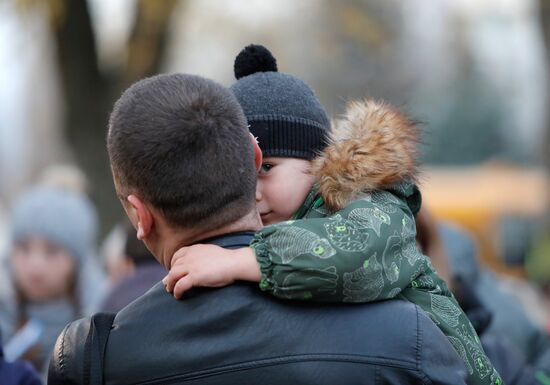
184, 167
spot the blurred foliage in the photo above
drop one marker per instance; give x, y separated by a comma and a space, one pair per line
358, 24
469, 132
370, 54
360, 56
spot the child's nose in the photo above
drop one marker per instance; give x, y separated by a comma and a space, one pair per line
258, 195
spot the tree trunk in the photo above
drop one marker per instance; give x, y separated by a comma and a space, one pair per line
90, 94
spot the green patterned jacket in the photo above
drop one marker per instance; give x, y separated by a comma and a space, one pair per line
362, 247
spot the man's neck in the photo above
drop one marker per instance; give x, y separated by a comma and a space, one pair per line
177, 238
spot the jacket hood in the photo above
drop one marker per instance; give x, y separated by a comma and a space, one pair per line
373, 147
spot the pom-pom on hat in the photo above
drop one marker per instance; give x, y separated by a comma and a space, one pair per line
252, 59
282, 111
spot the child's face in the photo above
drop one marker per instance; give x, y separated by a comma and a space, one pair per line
283, 184
43, 270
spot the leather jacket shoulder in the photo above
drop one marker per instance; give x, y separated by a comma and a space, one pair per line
66, 363
237, 335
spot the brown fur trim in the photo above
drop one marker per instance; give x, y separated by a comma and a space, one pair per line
373, 147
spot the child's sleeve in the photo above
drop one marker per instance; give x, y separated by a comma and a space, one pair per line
363, 253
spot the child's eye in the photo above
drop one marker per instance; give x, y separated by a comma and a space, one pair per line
266, 167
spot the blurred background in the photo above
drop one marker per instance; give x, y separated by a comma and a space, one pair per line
475, 73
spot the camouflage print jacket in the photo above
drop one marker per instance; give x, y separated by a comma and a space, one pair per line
354, 238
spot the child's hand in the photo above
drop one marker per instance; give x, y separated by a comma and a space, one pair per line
210, 266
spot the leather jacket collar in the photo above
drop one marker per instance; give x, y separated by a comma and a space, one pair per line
231, 240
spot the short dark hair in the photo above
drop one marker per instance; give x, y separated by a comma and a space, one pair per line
181, 142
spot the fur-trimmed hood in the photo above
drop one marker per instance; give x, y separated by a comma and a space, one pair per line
374, 146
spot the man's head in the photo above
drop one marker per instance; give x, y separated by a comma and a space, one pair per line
291, 126
181, 156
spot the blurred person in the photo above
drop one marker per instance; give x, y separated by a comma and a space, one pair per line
16, 373
439, 242
112, 254
505, 318
184, 167
531, 298
431, 243
350, 194
52, 275
142, 273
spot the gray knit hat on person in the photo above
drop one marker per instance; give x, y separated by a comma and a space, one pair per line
282, 111
62, 217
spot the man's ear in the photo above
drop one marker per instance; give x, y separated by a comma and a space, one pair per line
140, 216
258, 157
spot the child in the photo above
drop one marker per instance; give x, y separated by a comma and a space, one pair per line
348, 232
50, 273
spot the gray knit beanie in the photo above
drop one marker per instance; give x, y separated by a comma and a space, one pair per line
62, 217
282, 111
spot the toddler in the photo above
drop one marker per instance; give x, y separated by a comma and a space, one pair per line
339, 209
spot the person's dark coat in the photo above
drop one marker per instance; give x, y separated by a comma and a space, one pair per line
16, 373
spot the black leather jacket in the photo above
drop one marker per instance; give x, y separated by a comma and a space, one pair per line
238, 335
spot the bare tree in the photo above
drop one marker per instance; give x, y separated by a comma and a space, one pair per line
89, 93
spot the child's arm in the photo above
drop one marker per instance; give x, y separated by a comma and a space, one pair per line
210, 266
360, 254
363, 253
